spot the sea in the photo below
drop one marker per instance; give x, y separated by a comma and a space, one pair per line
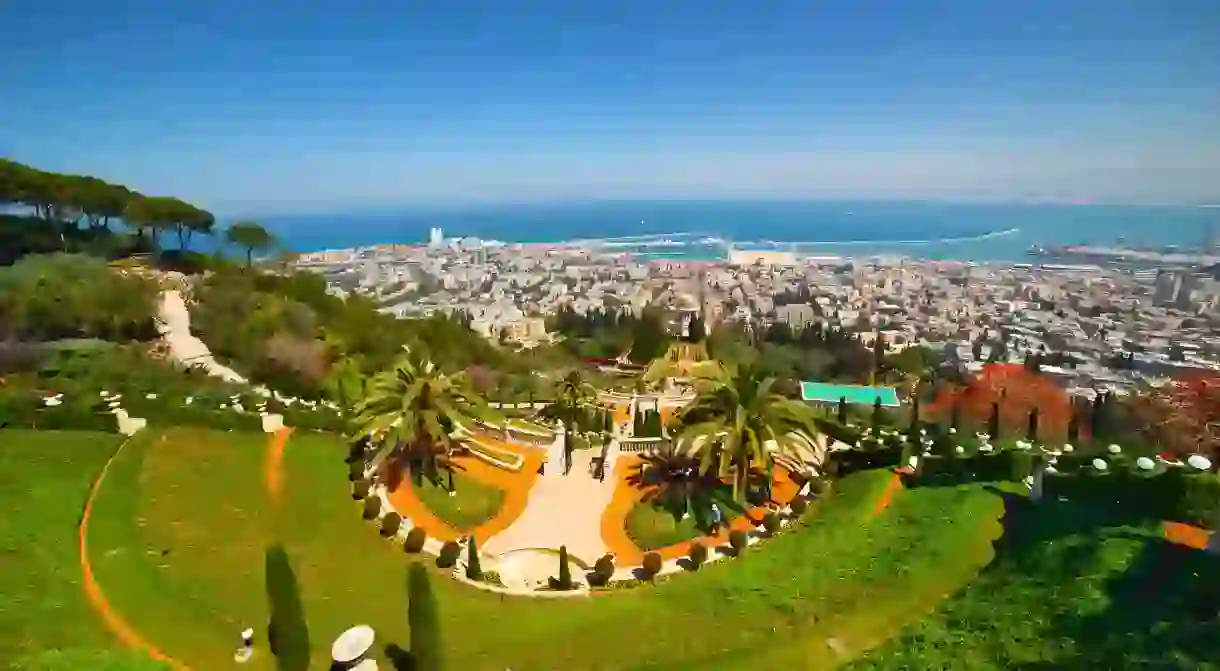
922, 230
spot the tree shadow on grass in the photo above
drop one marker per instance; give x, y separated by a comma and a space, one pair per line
400, 660
287, 632
1028, 524
1163, 612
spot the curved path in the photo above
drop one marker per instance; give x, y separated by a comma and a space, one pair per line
174, 324
627, 496
516, 487
97, 598
275, 464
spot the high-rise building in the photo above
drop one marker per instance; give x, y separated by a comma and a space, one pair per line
1174, 289
436, 237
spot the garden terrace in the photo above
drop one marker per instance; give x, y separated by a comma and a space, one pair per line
840, 570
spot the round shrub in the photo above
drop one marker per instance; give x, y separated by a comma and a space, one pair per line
771, 522
416, 538
697, 554
738, 540
652, 563
449, 555
603, 569
372, 508
361, 489
798, 505
390, 524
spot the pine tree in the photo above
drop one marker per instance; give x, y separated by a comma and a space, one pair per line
565, 572
424, 621
474, 571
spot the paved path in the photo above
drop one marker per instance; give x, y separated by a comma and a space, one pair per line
562, 510
175, 328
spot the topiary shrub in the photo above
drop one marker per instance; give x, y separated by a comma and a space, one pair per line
390, 524
361, 490
474, 570
423, 618
697, 554
652, 564
771, 522
603, 570
416, 538
798, 505
449, 555
564, 581
738, 540
372, 508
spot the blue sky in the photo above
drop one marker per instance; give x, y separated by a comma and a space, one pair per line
269, 106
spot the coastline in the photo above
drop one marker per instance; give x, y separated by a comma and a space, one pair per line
928, 231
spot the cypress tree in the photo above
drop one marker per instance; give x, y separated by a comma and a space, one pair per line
565, 572
955, 413
423, 620
843, 410
474, 571
877, 415
1032, 434
1074, 427
993, 424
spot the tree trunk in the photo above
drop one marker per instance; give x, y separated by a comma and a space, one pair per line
249, 256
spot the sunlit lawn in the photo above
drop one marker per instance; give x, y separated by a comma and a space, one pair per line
188, 526
45, 621
472, 503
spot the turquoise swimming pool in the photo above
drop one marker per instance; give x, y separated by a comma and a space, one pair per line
824, 392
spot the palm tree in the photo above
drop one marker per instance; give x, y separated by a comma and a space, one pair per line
572, 398
734, 419
410, 412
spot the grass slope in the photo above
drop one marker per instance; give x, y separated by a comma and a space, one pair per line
45, 621
1073, 587
190, 529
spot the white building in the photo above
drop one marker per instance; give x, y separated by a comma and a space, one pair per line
436, 237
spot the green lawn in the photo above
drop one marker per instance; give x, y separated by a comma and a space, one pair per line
45, 621
472, 505
188, 530
1073, 586
653, 525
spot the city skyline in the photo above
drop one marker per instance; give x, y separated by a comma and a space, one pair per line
283, 108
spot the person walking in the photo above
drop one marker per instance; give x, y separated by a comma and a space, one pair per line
717, 519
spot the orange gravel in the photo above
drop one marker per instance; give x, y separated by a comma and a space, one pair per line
275, 463
516, 488
115, 622
887, 496
1185, 534
626, 496
622, 413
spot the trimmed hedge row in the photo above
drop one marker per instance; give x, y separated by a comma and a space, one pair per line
1193, 498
